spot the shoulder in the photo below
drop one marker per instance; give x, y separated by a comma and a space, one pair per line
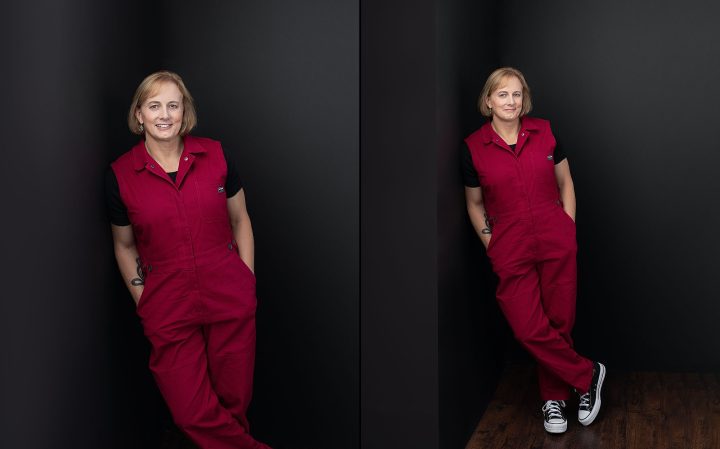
475, 135
211, 147
124, 160
482, 134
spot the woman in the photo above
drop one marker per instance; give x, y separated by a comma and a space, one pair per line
521, 202
184, 246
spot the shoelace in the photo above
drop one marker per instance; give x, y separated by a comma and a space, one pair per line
585, 401
553, 409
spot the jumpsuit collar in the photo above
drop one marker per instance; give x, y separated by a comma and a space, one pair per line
141, 158
489, 135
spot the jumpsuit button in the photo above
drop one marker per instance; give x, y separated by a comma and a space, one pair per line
230, 246
152, 165
186, 158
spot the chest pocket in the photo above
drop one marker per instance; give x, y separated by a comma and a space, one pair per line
541, 168
212, 199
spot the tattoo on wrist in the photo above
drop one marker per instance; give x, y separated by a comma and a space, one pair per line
140, 280
488, 225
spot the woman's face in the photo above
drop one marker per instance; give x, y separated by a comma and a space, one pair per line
162, 113
506, 101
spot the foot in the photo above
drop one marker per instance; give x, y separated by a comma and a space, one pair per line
554, 412
590, 402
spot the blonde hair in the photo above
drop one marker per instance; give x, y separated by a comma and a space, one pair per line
145, 90
493, 83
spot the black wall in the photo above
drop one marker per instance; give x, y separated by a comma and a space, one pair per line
59, 317
278, 84
399, 340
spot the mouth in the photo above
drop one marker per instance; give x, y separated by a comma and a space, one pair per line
163, 125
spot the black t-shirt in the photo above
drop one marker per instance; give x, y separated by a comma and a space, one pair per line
470, 176
118, 212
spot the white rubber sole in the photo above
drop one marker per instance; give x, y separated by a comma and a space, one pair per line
596, 407
555, 428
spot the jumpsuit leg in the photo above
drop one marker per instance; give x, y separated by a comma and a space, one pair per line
519, 298
174, 315
558, 288
231, 361
558, 293
180, 367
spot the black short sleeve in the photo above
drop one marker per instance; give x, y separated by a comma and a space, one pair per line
469, 174
233, 184
559, 152
116, 210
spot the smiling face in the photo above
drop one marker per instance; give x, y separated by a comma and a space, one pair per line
162, 113
506, 101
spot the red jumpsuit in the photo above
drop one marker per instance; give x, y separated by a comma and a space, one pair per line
198, 305
532, 251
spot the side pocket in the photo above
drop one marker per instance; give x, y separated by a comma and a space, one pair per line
568, 217
144, 296
491, 243
245, 268
493, 236
140, 299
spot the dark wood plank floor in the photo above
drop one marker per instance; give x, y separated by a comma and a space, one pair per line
640, 410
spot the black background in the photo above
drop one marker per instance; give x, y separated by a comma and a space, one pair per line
631, 86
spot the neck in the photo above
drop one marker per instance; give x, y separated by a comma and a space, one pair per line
507, 130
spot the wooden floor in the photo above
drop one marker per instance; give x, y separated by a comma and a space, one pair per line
640, 410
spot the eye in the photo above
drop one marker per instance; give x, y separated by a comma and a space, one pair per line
153, 107
502, 95
174, 106
518, 94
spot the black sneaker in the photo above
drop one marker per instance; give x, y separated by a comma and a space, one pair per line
590, 401
555, 421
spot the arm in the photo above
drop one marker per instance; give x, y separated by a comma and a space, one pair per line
476, 210
127, 256
242, 228
566, 187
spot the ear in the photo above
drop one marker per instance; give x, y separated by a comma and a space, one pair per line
138, 115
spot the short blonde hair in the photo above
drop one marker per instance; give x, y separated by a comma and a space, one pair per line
493, 83
147, 88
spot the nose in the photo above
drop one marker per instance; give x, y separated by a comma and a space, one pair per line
165, 113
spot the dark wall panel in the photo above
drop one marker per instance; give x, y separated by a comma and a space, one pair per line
632, 87
63, 374
399, 404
